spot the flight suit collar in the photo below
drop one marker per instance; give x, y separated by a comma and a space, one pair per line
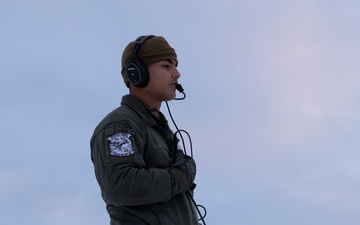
139, 108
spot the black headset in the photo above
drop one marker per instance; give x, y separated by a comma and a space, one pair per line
135, 69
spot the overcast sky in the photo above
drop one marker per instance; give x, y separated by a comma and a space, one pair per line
272, 105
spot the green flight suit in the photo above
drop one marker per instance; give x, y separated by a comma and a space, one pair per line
132, 151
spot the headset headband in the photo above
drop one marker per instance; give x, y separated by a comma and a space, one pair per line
138, 42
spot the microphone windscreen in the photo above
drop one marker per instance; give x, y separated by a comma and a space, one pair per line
179, 88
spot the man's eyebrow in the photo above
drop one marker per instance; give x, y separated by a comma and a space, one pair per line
173, 62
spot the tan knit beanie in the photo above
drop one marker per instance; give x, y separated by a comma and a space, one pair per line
152, 50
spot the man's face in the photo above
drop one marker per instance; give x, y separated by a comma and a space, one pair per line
163, 79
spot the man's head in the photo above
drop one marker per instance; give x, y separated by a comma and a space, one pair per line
140, 54
149, 69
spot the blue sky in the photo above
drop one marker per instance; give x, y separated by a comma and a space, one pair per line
272, 105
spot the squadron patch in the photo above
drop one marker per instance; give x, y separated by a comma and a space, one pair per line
120, 145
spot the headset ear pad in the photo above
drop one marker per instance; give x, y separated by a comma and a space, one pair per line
137, 73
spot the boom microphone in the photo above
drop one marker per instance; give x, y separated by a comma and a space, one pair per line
181, 90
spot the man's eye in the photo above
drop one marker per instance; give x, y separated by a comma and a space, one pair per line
166, 66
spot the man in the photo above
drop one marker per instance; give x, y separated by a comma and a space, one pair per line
144, 178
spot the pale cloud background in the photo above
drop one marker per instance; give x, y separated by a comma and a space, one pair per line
272, 105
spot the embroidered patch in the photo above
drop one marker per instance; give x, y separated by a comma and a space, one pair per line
120, 145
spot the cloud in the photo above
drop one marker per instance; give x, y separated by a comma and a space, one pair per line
308, 73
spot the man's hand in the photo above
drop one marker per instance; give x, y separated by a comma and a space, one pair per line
184, 170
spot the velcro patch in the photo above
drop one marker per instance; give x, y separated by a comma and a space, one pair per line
120, 145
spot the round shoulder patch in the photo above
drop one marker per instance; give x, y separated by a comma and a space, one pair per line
121, 145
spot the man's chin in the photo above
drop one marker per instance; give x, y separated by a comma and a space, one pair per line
172, 97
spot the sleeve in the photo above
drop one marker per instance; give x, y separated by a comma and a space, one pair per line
121, 172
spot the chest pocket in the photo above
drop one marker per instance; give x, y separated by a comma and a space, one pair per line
158, 149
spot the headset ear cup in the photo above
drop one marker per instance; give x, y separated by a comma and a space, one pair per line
136, 70
137, 73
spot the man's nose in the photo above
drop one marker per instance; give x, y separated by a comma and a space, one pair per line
177, 73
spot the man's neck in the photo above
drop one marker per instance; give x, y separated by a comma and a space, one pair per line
148, 101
